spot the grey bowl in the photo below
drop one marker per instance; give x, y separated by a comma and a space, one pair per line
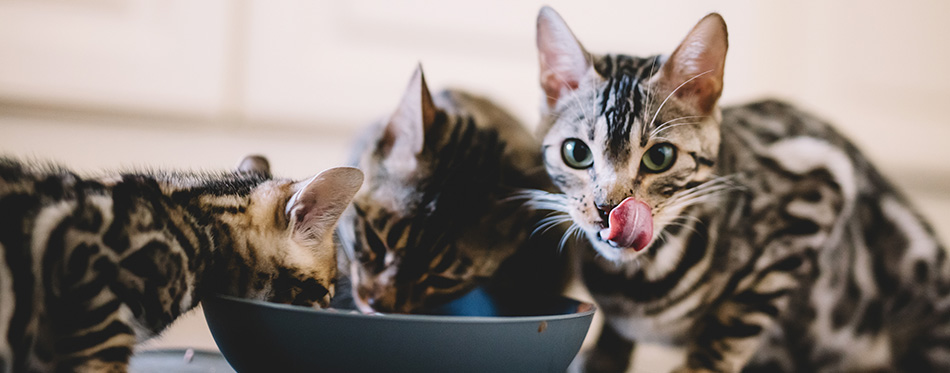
258, 336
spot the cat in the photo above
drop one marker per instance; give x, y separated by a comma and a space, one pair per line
439, 213
756, 236
90, 266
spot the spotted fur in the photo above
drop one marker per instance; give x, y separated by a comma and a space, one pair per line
439, 213
776, 245
90, 266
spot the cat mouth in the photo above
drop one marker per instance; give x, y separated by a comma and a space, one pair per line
630, 226
615, 245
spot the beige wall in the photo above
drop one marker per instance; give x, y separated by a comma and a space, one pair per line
876, 69
110, 83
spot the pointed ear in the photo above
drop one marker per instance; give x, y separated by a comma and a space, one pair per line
563, 60
256, 164
693, 73
405, 133
315, 208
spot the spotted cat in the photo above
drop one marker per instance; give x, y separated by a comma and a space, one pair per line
90, 266
440, 212
755, 236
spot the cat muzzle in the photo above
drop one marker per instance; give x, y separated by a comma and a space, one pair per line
631, 225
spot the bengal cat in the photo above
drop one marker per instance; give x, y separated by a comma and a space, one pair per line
91, 265
441, 212
755, 236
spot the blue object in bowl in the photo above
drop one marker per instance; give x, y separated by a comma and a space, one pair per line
258, 336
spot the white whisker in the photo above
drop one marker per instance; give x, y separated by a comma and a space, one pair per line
674, 92
574, 98
541, 200
665, 126
550, 222
575, 231
704, 192
652, 96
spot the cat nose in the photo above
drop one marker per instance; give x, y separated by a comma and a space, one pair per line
604, 210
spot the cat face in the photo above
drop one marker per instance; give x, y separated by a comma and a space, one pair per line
422, 189
631, 142
284, 232
403, 267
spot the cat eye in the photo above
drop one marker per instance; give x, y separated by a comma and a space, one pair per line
576, 154
659, 158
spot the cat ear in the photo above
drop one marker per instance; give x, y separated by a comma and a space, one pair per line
315, 208
256, 164
405, 133
562, 58
693, 73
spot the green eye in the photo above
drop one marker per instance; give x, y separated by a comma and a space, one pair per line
659, 158
576, 154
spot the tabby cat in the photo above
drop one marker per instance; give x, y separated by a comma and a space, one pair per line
755, 236
89, 266
439, 212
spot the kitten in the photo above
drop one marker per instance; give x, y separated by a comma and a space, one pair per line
755, 236
439, 213
90, 266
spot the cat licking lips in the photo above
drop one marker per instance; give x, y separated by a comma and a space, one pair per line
631, 225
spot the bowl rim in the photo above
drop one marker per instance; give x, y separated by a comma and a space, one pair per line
585, 309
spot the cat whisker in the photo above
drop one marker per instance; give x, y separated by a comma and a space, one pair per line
575, 231
702, 193
684, 203
671, 126
550, 222
670, 122
674, 92
687, 219
662, 237
541, 200
705, 190
685, 226
575, 99
651, 95
592, 81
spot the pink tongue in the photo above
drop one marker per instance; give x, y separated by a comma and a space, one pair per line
631, 225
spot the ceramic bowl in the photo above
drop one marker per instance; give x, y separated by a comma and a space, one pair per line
472, 334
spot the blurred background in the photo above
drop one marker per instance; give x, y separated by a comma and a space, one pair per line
109, 84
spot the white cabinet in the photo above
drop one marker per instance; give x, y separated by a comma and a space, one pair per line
346, 63
877, 72
167, 57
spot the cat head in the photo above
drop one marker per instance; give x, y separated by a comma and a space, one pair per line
283, 230
423, 185
631, 142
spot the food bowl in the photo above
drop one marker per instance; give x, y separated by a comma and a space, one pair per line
257, 336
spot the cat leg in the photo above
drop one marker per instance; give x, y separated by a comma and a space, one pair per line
728, 337
104, 350
92, 334
726, 343
611, 353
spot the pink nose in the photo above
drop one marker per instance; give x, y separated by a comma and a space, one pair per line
631, 225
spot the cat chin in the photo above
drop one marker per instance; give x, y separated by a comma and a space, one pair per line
614, 254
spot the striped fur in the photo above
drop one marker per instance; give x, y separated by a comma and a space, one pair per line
438, 214
90, 266
776, 245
